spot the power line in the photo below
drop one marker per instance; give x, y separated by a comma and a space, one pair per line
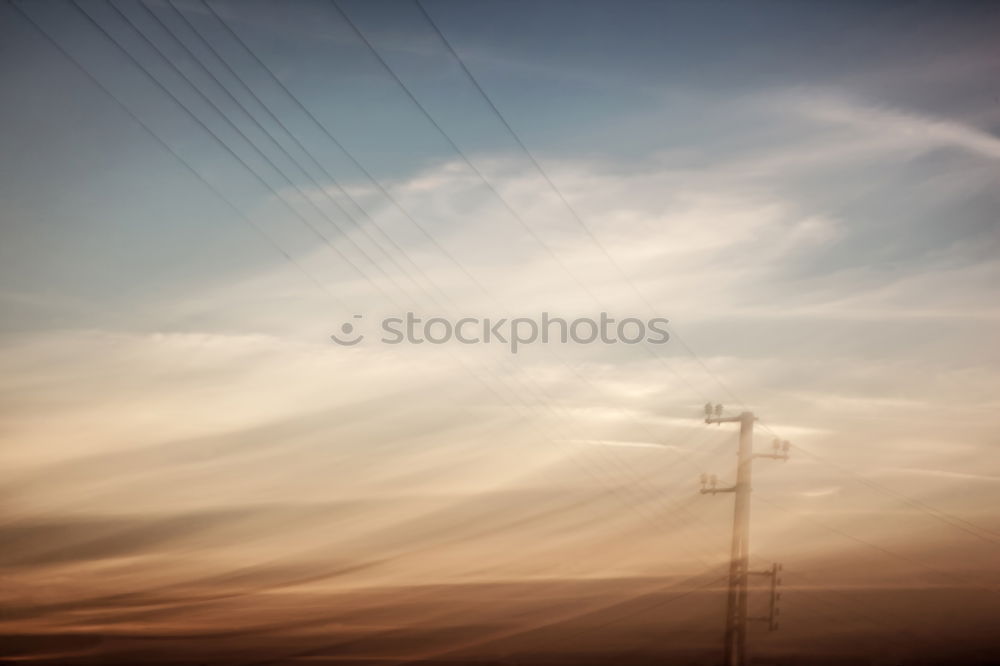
351, 157
955, 521
110, 38
562, 198
941, 515
479, 174
274, 166
952, 520
319, 188
886, 551
292, 260
147, 70
229, 203
576, 216
187, 165
162, 87
340, 146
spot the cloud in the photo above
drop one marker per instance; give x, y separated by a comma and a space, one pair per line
893, 128
218, 421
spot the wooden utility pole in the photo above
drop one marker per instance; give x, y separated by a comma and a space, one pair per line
735, 650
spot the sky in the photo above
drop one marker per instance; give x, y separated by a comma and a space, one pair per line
194, 197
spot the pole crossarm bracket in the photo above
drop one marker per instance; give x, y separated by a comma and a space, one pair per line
772, 456
713, 490
722, 419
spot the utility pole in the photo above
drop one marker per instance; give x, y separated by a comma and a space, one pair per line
736, 602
